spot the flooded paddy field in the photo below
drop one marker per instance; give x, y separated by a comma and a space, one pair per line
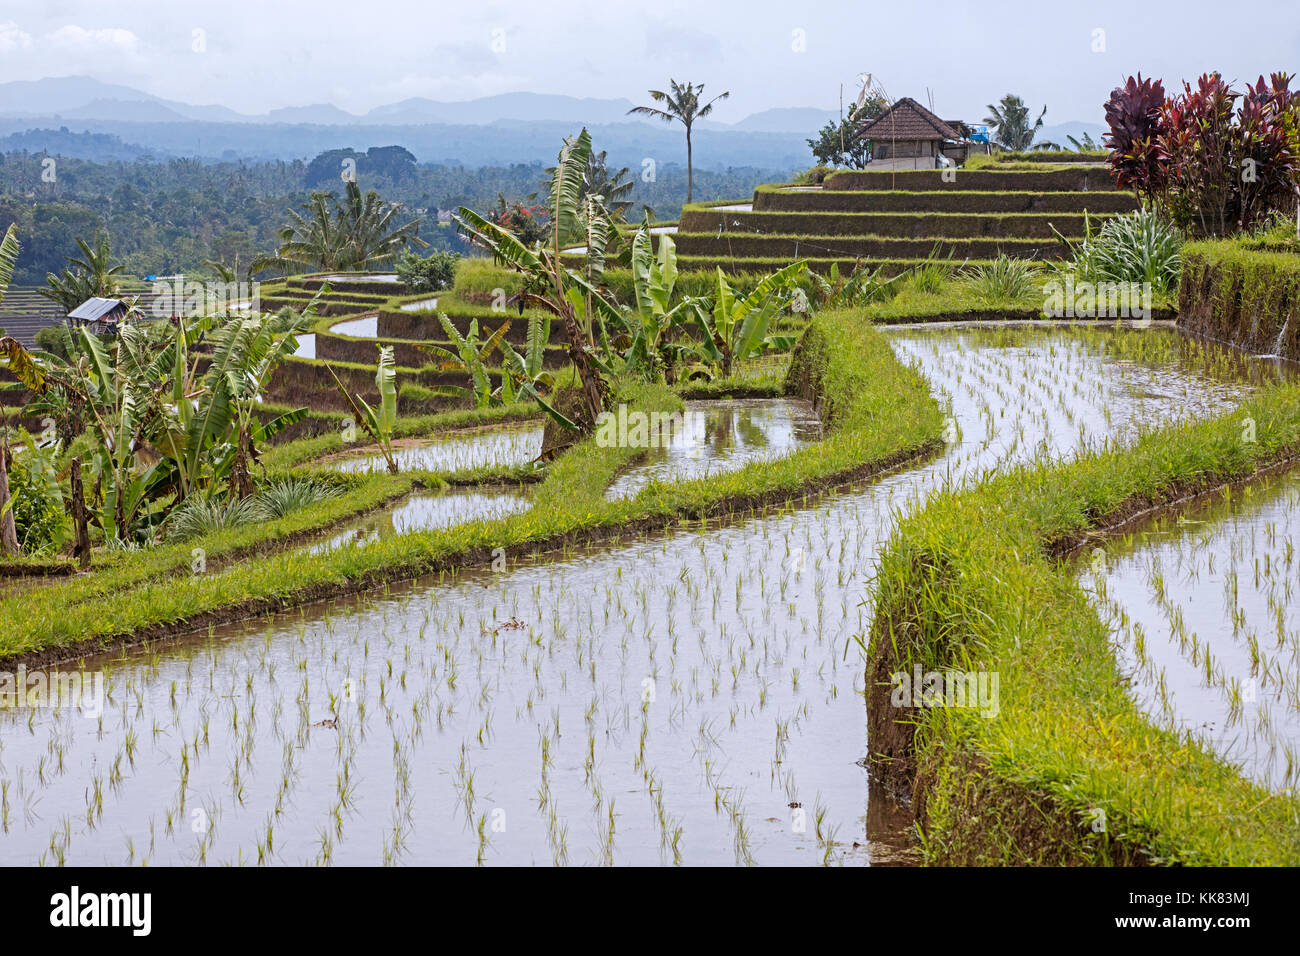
722, 435
1205, 604
426, 511
692, 697
494, 447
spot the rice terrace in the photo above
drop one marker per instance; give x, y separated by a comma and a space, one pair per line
501, 479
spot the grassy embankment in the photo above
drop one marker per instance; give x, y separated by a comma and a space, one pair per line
1069, 771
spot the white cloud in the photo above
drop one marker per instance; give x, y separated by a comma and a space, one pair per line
75, 39
12, 38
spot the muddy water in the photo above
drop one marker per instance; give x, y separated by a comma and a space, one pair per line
725, 435
1205, 604
489, 448
656, 700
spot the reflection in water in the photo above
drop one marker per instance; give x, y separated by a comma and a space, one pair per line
306, 346
425, 512
723, 435
366, 327
490, 448
1208, 615
657, 699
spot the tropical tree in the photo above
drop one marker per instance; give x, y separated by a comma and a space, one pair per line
471, 357
377, 422
525, 375
651, 323
838, 144
1009, 121
165, 428
219, 429
683, 105
613, 186
358, 233
92, 275
736, 327
549, 283
8, 530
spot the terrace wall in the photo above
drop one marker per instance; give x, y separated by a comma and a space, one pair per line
1245, 296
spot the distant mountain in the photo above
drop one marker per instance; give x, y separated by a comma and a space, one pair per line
58, 94
80, 97
788, 119
125, 111
524, 107
321, 114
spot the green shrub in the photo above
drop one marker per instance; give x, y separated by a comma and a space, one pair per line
427, 273
199, 516
56, 340
39, 518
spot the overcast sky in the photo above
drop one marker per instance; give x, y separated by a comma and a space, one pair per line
255, 55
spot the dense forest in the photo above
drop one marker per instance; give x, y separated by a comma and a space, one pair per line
169, 216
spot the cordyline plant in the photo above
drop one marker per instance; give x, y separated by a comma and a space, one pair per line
1133, 115
1217, 161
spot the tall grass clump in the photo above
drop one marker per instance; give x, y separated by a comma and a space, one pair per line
285, 495
199, 516
930, 276
1003, 278
1141, 247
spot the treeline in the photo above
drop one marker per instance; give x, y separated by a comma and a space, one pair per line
168, 217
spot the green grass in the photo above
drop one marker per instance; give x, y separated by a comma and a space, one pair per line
967, 583
1235, 292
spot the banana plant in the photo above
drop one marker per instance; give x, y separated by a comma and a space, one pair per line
210, 428
570, 295
859, 287
526, 375
14, 353
377, 422
651, 325
471, 357
736, 327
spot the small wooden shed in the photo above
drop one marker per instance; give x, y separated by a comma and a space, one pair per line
98, 315
909, 136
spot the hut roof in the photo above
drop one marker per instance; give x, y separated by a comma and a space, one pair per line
96, 308
907, 119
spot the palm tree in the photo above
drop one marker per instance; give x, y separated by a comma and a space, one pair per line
356, 234
90, 276
1010, 122
682, 104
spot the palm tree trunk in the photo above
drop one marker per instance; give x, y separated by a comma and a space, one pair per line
690, 169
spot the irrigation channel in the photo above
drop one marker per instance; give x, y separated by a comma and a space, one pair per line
676, 697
